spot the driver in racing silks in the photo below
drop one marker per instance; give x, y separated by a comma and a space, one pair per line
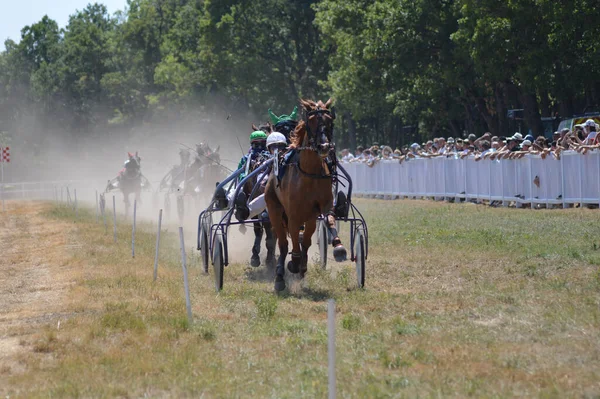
276, 144
284, 124
258, 150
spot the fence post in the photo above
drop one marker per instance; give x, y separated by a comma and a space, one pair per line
133, 230
103, 211
75, 201
331, 347
185, 277
157, 245
114, 219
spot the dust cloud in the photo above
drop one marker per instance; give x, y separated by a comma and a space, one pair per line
90, 158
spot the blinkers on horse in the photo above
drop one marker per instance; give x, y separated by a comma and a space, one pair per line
320, 139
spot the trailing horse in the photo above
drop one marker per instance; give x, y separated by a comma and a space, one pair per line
129, 180
304, 192
250, 192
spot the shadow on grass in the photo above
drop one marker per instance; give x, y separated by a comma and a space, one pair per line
260, 273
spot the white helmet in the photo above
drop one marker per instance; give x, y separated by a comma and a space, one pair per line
276, 138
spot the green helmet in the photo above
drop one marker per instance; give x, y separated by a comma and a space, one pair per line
258, 135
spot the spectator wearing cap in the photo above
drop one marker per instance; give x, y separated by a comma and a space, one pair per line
591, 141
451, 147
589, 127
415, 151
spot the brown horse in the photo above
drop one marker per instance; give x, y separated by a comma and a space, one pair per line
305, 191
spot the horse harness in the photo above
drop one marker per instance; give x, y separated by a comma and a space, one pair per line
328, 169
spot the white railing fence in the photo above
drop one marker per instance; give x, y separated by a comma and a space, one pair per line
41, 190
574, 178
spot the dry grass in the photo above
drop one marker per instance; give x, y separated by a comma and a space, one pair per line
461, 300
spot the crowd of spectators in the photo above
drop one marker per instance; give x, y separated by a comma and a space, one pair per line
582, 138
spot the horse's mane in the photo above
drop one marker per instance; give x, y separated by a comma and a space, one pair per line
297, 136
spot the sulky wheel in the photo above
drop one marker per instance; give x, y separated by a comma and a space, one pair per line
323, 243
204, 249
360, 255
218, 263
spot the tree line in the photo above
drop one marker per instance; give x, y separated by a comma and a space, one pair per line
398, 70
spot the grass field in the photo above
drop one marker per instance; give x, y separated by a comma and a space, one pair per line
460, 300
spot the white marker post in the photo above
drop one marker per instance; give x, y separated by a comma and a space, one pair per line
68, 196
185, 277
61, 194
133, 230
114, 218
157, 245
2, 166
331, 346
96, 206
75, 202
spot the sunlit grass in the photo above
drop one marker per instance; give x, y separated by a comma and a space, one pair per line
461, 300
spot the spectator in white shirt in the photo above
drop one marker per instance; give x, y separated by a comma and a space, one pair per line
347, 156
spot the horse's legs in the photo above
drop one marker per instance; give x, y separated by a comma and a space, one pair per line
309, 228
280, 231
339, 252
258, 233
294, 230
270, 243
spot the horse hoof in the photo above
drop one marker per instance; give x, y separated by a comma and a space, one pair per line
293, 268
339, 253
255, 261
279, 284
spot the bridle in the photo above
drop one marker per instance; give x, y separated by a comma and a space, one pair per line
315, 138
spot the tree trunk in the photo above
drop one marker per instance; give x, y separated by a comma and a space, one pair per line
501, 110
545, 103
489, 119
532, 114
351, 130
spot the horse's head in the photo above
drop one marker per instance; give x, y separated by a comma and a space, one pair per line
265, 127
318, 122
184, 156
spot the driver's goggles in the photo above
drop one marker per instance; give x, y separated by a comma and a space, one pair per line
257, 145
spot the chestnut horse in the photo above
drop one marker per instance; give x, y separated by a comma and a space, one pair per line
305, 190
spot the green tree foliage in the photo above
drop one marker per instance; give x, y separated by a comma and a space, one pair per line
399, 70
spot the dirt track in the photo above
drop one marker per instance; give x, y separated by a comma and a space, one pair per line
35, 273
